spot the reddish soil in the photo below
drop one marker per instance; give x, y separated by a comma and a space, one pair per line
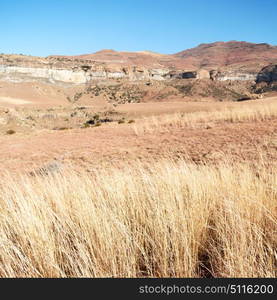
233, 54
118, 143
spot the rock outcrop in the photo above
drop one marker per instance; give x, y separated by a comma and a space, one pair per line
221, 61
82, 74
268, 74
267, 80
72, 71
233, 75
197, 74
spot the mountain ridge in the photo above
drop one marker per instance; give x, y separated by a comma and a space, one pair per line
231, 60
239, 54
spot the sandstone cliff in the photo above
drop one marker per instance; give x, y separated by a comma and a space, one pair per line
267, 80
73, 71
235, 61
268, 74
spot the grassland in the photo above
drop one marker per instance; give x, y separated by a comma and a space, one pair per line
257, 112
149, 214
162, 219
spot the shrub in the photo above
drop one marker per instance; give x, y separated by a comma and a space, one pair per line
60, 128
10, 131
96, 117
86, 125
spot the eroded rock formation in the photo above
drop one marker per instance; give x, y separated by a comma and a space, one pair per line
233, 75
268, 74
220, 61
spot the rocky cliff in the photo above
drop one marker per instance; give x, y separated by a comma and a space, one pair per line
268, 74
82, 74
72, 71
267, 80
233, 75
236, 61
79, 73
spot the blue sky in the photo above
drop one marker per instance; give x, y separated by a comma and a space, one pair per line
45, 27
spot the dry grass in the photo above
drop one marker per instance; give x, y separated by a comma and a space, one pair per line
164, 219
256, 112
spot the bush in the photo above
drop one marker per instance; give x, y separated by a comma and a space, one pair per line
90, 122
10, 131
86, 125
60, 128
96, 117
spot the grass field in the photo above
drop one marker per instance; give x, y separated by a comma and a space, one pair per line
254, 112
189, 193
161, 219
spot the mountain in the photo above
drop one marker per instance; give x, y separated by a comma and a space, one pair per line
218, 61
233, 54
124, 58
245, 64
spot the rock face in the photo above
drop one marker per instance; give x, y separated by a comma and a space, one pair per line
221, 61
198, 74
203, 74
21, 74
233, 75
18, 68
266, 80
83, 74
268, 74
79, 74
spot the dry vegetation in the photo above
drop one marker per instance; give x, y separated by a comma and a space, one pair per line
163, 219
255, 112
139, 178
154, 217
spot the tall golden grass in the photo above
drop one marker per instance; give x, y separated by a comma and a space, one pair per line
256, 112
163, 219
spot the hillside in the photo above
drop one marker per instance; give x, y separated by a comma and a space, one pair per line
226, 55
233, 54
217, 63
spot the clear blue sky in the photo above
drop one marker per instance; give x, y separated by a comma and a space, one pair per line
45, 27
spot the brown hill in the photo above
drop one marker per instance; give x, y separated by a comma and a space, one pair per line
141, 58
233, 54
